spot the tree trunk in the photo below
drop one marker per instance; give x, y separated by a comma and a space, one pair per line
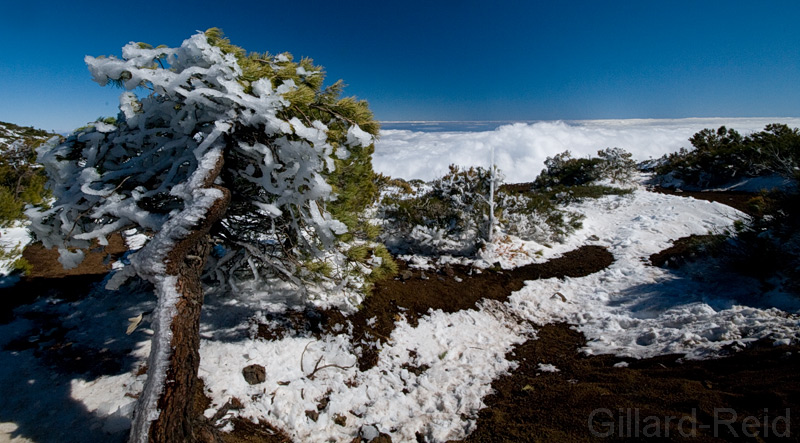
175, 421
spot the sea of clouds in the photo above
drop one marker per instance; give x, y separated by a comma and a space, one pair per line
423, 150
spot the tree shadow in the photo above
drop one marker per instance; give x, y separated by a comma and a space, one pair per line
704, 281
229, 317
60, 339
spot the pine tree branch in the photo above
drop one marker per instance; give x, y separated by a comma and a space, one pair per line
334, 113
86, 212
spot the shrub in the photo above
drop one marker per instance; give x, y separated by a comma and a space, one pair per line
563, 169
536, 216
10, 207
22, 180
765, 247
569, 194
722, 155
616, 164
768, 245
450, 215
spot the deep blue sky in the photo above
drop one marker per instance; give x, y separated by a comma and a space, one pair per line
445, 60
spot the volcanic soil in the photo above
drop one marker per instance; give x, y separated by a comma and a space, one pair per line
747, 396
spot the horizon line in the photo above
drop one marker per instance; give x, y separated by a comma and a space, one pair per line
587, 119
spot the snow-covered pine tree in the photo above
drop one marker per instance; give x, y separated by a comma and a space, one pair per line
210, 139
617, 164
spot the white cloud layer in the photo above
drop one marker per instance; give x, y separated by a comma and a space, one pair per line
521, 148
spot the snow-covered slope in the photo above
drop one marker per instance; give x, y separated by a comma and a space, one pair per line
12, 241
9, 133
638, 310
631, 309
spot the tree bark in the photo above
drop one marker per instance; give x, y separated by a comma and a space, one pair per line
176, 421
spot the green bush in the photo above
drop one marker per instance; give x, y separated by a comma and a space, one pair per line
767, 246
455, 209
723, 155
535, 215
616, 164
10, 207
386, 266
452, 216
568, 194
563, 169
22, 180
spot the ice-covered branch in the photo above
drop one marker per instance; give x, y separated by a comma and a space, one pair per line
138, 172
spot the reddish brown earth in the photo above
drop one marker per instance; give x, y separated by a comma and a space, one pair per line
685, 249
587, 400
47, 276
456, 288
736, 199
97, 261
591, 400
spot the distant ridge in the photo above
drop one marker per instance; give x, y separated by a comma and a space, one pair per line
9, 133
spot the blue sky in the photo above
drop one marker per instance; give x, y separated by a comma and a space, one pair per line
445, 60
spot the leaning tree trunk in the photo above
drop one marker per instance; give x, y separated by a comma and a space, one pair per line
184, 263
175, 420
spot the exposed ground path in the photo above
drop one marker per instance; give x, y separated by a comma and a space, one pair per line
591, 399
530, 404
457, 288
736, 199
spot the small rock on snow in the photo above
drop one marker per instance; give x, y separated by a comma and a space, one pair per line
254, 374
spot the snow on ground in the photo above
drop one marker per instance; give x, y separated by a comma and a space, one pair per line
12, 241
47, 397
633, 309
388, 396
7, 135
431, 378
630, 309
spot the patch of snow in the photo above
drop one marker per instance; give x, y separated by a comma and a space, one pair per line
44, 405
134, 240
636, 310
15, 237
9, 430
547, 367
511, 252
459, 372
758, 184
419, 262
358, 137
110, 398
